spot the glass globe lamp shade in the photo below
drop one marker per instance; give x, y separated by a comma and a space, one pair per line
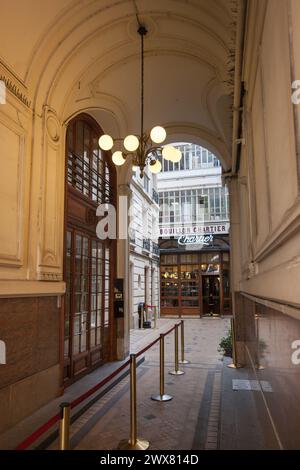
176, 157
155, 167
131, 143
118, 158
168, 152
158, 134
106, 142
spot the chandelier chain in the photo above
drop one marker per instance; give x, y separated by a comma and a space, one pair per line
142, 90
142, 32
143, 150
137, 13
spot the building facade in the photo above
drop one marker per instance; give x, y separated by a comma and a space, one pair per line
194, 235
144, 249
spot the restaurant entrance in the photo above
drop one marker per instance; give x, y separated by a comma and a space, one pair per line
211, 295
194, 282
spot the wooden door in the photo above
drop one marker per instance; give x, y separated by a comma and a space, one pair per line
89, 262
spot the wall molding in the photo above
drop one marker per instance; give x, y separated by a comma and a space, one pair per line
18, 179
15, 90
31, 288
49, 276
52, 199
291, 223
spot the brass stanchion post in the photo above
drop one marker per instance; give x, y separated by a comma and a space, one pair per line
176, 371
258, 366
162, 396
234, 364
133, 443
64, 427
183, 360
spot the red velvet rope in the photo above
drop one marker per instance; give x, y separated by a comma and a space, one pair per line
147, 347
39, 432
171, 329
94, 389
46, 426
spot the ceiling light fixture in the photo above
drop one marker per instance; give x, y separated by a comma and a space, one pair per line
142, 149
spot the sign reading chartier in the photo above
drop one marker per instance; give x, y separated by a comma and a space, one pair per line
196, 240
167, 231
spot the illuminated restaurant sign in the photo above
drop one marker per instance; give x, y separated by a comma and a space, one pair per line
167, 231
196, 240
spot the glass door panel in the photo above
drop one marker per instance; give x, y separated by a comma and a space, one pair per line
90, 180
211, 294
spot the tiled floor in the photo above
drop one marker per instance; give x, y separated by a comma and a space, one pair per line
207, 411
179, 424
189, 421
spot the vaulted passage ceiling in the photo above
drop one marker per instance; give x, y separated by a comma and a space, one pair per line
84, 55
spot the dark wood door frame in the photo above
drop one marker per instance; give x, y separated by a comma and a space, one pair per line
84, 221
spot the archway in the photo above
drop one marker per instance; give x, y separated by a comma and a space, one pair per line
194, 234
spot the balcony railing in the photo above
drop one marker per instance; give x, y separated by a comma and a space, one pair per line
155, 196
146, 244
155, 248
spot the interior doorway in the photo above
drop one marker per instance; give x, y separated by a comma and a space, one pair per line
211, 295
89, 263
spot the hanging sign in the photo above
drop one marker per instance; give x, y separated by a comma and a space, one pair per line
196, 240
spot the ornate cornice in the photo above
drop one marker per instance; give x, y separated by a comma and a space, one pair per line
15, 90
50, 276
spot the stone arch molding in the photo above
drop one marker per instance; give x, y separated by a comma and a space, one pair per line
191, 132
184, 132
92, 39
91, 29
107, 110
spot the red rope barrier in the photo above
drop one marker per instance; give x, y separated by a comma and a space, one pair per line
155, 341
46, 426
39, 432
171, 329
146, 348
94, 389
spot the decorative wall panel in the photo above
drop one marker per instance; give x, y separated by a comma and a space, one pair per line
13, 174
52, 191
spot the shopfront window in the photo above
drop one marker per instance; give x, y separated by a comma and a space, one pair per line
191, 283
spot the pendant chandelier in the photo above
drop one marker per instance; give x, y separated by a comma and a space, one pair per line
143, 149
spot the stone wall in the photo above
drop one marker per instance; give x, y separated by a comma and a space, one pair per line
30, 329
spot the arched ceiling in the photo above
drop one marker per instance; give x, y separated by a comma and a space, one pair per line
76, 55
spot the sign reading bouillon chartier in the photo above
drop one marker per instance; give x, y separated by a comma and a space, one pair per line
205, 240
200, 229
